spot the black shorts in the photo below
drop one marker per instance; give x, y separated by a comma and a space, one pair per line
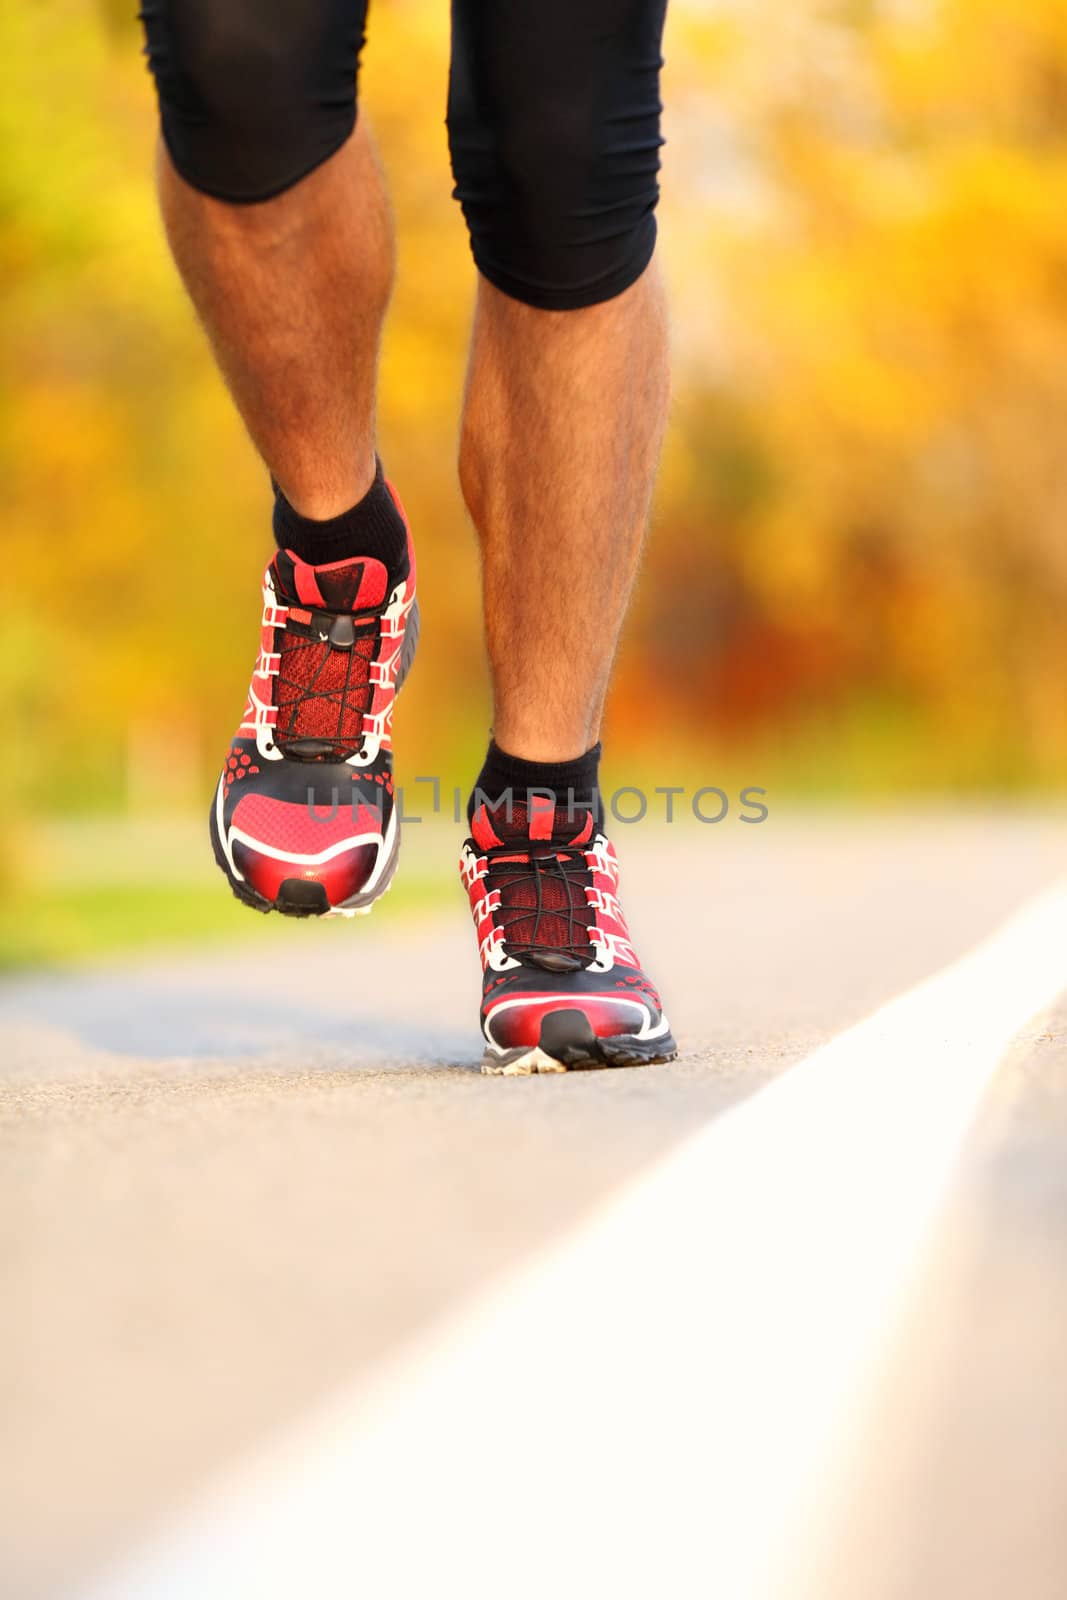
553, 121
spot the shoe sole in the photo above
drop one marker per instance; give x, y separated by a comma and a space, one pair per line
296, 896
567, 1043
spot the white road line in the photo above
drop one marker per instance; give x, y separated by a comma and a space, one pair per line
661, 1405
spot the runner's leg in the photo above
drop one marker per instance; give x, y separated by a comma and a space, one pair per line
554, 119
277, 216
561, 433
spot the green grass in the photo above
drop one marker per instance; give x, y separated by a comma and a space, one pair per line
50, 927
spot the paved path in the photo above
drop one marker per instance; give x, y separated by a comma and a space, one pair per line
231, 1187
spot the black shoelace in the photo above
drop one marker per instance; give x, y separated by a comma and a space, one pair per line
331, 634
562, 866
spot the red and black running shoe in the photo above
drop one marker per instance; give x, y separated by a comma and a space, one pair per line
563, 988
304, 820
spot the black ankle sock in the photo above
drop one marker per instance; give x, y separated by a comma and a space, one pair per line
372, 527
570, 781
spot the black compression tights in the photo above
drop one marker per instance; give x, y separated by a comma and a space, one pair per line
553, 121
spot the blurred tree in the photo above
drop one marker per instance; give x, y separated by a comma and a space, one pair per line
884, 254
858, 572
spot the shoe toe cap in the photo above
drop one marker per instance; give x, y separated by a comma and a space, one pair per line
279, 845
511, 1022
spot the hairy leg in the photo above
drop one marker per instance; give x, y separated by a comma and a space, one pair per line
563, 420
292, 292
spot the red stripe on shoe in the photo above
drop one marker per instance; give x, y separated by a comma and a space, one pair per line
482, 830
542, 816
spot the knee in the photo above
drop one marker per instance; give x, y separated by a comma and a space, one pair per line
252, 96
558, 187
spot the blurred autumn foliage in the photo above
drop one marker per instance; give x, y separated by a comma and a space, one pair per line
858, 571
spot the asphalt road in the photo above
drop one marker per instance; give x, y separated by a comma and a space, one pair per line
230, 1184
965, 1447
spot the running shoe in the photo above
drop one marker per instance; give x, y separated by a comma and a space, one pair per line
304, 820
562, 986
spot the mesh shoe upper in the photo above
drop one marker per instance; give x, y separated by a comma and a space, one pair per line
539, 884
323, 688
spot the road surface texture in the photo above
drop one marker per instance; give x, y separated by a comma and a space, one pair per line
236, 1187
